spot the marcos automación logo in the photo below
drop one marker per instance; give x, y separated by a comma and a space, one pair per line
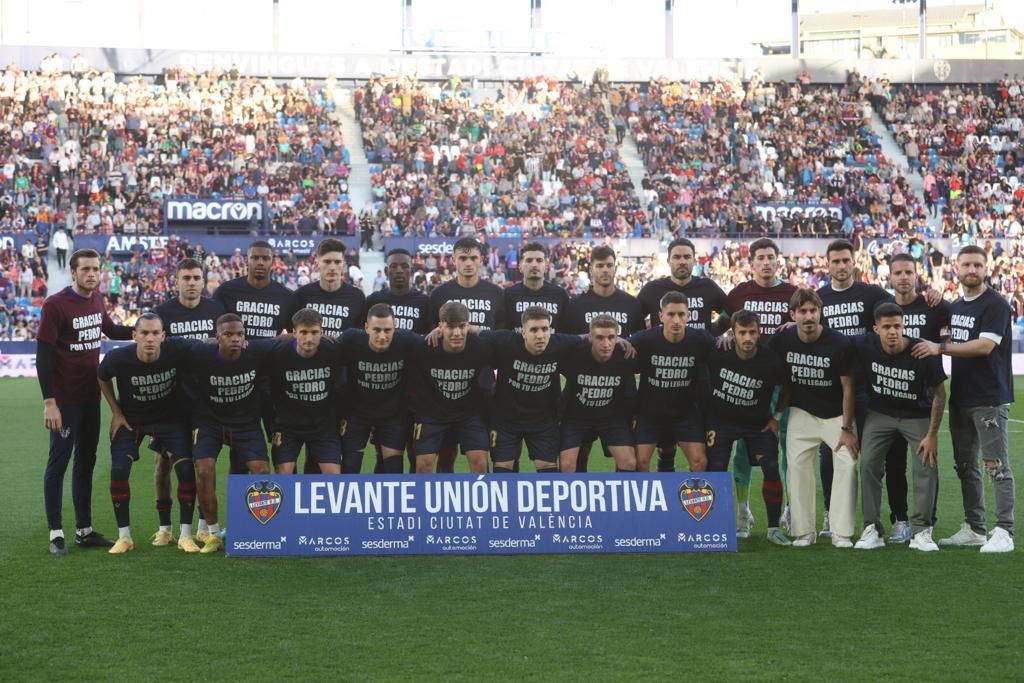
697, 496
264, 499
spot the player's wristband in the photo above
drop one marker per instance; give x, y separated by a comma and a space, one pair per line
778, 416
847, 429
942, 347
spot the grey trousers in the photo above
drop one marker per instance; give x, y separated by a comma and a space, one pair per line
879, 432
983, 430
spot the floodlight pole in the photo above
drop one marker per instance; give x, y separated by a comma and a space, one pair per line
922, 30
406, 26
536, 27
670, 39
794, 41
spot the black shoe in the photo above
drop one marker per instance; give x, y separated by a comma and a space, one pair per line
57, 547
93, 539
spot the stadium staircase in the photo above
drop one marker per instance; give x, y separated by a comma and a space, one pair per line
629, 155
894, 153
56, 277
359, 189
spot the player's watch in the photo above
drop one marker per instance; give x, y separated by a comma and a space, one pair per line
942, 347
847, 429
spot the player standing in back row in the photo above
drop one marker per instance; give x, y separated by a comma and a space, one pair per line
534, 290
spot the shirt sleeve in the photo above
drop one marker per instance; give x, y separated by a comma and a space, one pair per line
994, 321
114, 331
49, 323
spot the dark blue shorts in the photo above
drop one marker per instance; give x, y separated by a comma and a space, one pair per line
762, 447
166, 438
428, 435
614, 432
322, 445
542, 442
668, 431
247, 442
387, 432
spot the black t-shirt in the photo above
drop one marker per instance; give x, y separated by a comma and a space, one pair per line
704, 294
982, 380
741, 390
148, 393
519, 297
851, 311
264, 312
412, 309
897, 385
672, 375
813, 371
528, 386
377, 386
227, 389
302, 388
485, 301
445, 385
582, 309
923, 322
192, 323
341, 310
597, 392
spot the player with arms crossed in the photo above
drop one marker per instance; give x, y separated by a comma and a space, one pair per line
981, 391
148, 402
820, 392
447, 394
672, 360
906, 398
67, 356
743, 381
598, 396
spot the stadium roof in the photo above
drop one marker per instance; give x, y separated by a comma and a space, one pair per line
949, 15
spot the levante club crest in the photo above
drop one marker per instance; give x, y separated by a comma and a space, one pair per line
697, 496
264, 500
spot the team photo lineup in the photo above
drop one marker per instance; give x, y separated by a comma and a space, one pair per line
846, 380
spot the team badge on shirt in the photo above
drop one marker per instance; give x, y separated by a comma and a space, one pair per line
697, 496
264, 499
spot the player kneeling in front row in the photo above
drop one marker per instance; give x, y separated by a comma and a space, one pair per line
302, 376
743, 381
148, 402
598, 398
906, 398
447, 400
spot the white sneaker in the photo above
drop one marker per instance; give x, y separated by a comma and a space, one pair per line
805, 540
744, 522
843, 541
965, 536
922, 541
901, 532
776, 536
825, 530
869, 539
784, 520
999, 542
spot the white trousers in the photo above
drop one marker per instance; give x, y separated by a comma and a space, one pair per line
805, 433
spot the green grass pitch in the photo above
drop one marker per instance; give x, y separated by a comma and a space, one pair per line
766, 613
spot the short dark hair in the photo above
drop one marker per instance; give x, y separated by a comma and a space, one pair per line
307, 317
398, 251
887, 309
468, 244
453, 313
673, 297
804, 295
745, 318
328, 245
260, 244
228, 318
681, 242
601, 252
969, 249
380, 311
902, 257
604, 321
148, 316
839, 245
188, 264
763, 243
533, 246
80, 254
535, 313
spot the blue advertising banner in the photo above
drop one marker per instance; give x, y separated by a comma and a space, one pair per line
223, 245
466, 514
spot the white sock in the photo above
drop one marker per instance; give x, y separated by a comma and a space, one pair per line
165, 528
56, 533
84, 532
214, 529
186, 530
124, 532
203, 526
